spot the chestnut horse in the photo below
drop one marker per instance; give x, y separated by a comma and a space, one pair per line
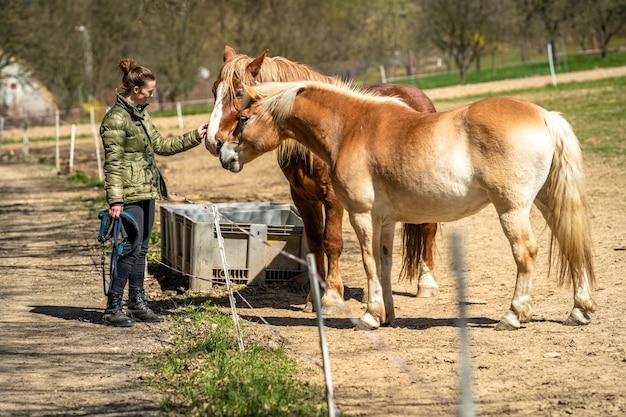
311, 189
391, 164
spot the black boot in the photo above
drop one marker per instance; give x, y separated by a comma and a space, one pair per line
138, 308
113, 315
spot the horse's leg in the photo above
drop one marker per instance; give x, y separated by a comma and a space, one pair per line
583, 302
332, 301
311, 214
517, 228
369, 238
386, 264
426, 284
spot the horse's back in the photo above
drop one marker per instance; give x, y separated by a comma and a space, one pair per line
505, 106
511, 147
412, 96
501, 125
494, 148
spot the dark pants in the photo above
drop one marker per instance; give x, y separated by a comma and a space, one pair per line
132, 267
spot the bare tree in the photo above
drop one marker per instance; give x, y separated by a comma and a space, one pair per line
175, 47
552, 13
457, 29
605, 18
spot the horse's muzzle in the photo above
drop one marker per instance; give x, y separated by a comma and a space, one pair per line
229, 159
213, 146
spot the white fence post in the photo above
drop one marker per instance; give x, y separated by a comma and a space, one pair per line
231, 297
551, 62
57, 155
466, 402
1, 130
72, 142
25, 139
95, 138
179, 112
315, 286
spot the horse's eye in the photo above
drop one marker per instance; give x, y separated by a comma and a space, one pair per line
243, 118
239, 94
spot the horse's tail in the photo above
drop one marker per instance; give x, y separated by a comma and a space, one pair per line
568, 210
412, 250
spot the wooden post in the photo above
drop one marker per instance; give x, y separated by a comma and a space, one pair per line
95, 137
57, 157
1, 130
179, 112
25, 138
72, 140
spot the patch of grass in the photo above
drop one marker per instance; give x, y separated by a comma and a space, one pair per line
45, 139
81, 179
596, 111
594, 108
154, 250
205, 373
190, 109
575, 63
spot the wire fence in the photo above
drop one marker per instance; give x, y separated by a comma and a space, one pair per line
12, 126
465, 403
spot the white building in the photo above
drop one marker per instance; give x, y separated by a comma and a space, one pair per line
23, 98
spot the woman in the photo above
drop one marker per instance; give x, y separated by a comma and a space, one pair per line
133, 182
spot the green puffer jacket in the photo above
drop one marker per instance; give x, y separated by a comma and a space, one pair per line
130, 143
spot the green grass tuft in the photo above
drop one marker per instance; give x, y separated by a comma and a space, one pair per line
206, 374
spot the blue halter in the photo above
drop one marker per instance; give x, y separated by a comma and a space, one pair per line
114, 230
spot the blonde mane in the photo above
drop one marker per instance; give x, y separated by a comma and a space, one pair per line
277, 98
273, 69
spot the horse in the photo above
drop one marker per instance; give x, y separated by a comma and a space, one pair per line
311, 189
390, 163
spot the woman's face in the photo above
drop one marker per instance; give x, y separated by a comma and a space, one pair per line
140, 95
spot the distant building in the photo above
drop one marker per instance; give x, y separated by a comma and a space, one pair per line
23, 98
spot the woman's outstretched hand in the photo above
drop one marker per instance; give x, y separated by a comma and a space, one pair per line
202, 130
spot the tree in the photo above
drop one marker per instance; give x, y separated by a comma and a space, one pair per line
605, 17
552, 13
177, 46
114, 34
457, 29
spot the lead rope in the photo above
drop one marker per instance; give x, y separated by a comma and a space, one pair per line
117, 227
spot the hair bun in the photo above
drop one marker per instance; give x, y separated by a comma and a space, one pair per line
127, 64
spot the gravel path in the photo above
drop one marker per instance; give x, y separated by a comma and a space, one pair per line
55, 358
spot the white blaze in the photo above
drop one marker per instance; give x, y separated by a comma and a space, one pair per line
216, 114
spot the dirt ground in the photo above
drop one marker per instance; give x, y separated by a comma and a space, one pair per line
57, 359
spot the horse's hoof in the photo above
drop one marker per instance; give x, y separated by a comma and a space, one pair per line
370, 322
577, 318
426, 292
505, 326
308, 307
426, 285
330, 310
508, 322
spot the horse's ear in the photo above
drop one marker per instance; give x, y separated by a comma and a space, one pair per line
254, 67
228, 53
